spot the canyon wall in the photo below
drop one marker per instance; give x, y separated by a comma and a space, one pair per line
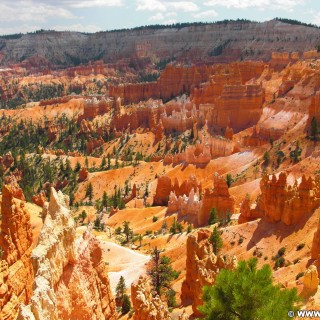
71, 280
16, 272
280, 201
202, 267
145, 305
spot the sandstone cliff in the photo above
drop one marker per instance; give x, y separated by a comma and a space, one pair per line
280, 201
71, 280
202, 267
145, 305
16, 273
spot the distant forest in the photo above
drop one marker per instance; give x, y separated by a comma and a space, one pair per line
178, 25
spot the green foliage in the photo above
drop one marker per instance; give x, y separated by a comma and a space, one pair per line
126, 304
300, 246
296, 153
127, 230
161, 272
229, 180
216, 241
247, 293
266, 158
89, 191
299, 275
189, 228
171, 298
121, 289
154, 219
213, 218
314, 129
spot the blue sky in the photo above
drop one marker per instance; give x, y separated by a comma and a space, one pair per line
97, 15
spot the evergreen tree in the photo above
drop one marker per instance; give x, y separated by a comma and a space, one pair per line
247, 293
229, 180
213, 218
109, 161
89, 191
174, 226
103, 162
120, 290
127, 230
126, 304
314, 128
104, 202
161, 272
216, 241
266, 158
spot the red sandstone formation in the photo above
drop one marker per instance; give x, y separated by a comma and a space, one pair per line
279, 201
165, 186
93, 144
145, 305
202, 267
132, 195
219, 198
16, 273
6, 161
83, 174
71, 280
315, 250
39, 199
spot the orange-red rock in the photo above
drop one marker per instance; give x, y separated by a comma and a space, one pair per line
16, 272
145, 305
202, 267
39, 199
83, 174
218, 198
279, 201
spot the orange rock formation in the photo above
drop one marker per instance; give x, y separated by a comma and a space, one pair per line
145, 305
16, 273
218, 198
279, 201
202, 267
71, 280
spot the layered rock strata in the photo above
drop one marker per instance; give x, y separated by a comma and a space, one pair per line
71, 280
202, 267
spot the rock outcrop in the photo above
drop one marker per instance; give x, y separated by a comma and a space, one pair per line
310, 281
16, 273
165, 187
71, 281
39, 199
280, 201
202, 267
146, 305
218, 198
315, 250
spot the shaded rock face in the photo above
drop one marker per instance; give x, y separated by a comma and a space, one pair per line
279, 201
310, 281
71, 280
16, 273
202, 267
218, 198
146, 305
315, 250
165, 187
39, 199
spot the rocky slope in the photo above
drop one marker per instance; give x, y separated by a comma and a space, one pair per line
71, 280
190, 44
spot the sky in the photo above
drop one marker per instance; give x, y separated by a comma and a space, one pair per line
99, 15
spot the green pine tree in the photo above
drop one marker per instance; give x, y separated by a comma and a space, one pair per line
216, 241
247, 293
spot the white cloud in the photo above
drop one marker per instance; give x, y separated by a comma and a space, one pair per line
170, 21
94, 3
19, 29
260, 4
163, 6
157, 17
29, 11
205, 14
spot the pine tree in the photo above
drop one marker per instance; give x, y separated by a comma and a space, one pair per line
229, 180
89, 191
103, 163
120, 289
216, 241
174, 226
247, 293
126, 304
161, 272
126, 230
314, 128
104, 202
213, 218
